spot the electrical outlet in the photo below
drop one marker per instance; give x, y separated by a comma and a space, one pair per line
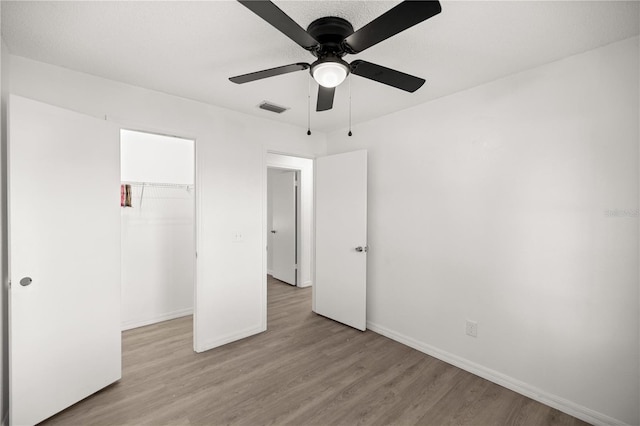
237, 237
472, 328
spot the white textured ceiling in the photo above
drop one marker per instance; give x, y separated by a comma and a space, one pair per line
190, 48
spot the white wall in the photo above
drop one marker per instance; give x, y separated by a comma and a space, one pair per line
158, 238
231, 182
515, 204
148, 157
4, 262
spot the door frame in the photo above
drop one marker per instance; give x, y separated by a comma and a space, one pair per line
136, 127
306, 259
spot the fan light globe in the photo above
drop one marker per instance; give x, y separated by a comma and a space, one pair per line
330, 74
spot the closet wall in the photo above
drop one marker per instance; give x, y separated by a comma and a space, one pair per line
158, 249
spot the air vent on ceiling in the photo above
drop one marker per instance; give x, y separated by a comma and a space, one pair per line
269, 106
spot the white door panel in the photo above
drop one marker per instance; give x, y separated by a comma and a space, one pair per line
64, 228
283, 231
341, 227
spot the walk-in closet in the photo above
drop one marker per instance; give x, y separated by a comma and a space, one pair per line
157, 198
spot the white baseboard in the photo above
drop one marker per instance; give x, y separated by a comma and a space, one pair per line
566, 406
230, 338
128, 325
269, 272
305, 284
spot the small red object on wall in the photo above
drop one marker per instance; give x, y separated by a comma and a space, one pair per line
125, 195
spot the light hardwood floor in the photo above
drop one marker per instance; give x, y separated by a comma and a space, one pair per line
305, 370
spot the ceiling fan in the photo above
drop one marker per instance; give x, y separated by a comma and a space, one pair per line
330, 38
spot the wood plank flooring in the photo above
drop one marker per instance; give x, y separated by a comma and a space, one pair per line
305, 370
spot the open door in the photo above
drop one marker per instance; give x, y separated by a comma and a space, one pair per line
283, 231
64, 229
341, 238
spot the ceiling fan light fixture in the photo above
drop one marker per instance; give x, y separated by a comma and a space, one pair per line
329, 73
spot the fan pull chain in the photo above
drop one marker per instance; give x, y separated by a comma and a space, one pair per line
350, 133
309, 109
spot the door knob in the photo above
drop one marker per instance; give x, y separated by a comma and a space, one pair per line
361, 249
25, 281
273, 231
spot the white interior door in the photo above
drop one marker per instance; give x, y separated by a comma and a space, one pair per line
64, 229
283, 230
341, 238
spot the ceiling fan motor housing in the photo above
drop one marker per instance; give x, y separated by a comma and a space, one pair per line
330, 32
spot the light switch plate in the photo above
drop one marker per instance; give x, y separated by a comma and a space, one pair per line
472, 328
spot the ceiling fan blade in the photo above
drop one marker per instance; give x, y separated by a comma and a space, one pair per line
281, 21
325, 98
403, 16
386, 76
271, 72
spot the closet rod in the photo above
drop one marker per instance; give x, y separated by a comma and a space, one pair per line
162, 185
143, 185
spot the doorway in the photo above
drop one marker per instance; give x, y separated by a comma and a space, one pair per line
296, 174
335, 230
157, 227
282, 225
